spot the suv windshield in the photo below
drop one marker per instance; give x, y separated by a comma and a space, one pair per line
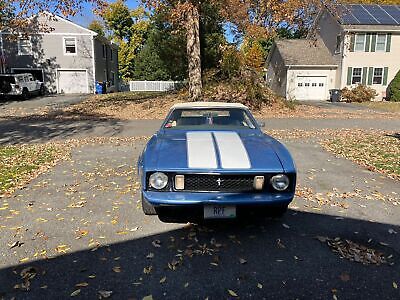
218, 118
7, 79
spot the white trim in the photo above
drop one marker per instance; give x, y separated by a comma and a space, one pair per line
361, 76
355, 42
112, 73
33, 69
70, 22
376, 42
64, 46
19, 46
313, 66
72, 70
373, 75
94, 67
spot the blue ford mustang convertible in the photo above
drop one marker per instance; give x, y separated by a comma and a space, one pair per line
211, 160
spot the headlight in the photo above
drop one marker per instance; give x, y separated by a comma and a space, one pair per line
280, 182
158, 180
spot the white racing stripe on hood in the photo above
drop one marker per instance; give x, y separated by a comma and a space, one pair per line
200, 150
233, 154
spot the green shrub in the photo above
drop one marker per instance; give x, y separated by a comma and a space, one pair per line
393, 91
360, 93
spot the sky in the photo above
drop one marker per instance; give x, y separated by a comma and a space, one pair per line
86, 16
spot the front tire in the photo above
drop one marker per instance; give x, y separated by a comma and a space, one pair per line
41, 90
279, 211
147, 208
25, 94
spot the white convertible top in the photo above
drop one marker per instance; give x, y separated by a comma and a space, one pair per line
201, 104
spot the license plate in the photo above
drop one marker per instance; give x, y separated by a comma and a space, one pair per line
219, 212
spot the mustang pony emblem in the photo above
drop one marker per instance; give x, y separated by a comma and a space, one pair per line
219, 181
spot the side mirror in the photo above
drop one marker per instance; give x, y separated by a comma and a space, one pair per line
261, 124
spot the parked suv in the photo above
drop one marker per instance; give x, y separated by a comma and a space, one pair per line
23, 85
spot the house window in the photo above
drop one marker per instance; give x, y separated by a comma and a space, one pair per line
338, 43
24, 46
112, 78
357, 75
307, 84
314, 84
70, 46
381, 42
321, 84
359, 42
300, 84
111, 55
378, 76
104, 51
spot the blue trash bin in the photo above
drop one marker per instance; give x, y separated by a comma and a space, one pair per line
99, 87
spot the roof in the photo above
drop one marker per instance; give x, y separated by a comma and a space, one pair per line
303, 52
207, 105
368, 14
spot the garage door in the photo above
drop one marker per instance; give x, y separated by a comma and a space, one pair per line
310, 88
72, 82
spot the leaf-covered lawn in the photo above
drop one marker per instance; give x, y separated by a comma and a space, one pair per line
18, 164
384, 105
377, 151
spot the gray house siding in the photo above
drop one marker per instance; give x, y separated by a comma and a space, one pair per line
277, 73
106, 63
330, 30
61, 71
48, 55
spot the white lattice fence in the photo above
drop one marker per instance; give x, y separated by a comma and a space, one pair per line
153, 86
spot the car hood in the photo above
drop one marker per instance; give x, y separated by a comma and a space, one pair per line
215, 151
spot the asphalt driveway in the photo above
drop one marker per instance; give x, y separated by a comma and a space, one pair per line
79, 231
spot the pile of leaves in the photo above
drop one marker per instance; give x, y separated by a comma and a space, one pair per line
355, 252
18, 164
378, 151
360, 93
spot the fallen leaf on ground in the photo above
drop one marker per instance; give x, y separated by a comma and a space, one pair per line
242, 261
232, 293
75, 293
82, 284
162, 280
104, 294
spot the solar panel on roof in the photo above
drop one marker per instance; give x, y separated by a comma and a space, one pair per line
364, 16
346, 16
392, 10
380, 14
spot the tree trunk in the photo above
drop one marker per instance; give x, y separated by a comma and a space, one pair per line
193, 52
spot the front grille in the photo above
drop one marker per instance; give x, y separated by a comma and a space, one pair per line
219, 183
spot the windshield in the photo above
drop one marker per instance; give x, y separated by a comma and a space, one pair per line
7, 79
219, 118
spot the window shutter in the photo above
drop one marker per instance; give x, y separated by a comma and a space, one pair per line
352, 42
373, 43
385, 75
349, 74
388, 42
367, 42
364, 76
370, 74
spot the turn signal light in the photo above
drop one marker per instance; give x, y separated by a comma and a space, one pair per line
258, 183
179, 182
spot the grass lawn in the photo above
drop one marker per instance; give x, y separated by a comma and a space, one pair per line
19, 164
385, 105
377, 151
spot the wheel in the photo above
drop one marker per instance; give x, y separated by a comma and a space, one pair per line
42, 90
25, 94
279, 211
147, 208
